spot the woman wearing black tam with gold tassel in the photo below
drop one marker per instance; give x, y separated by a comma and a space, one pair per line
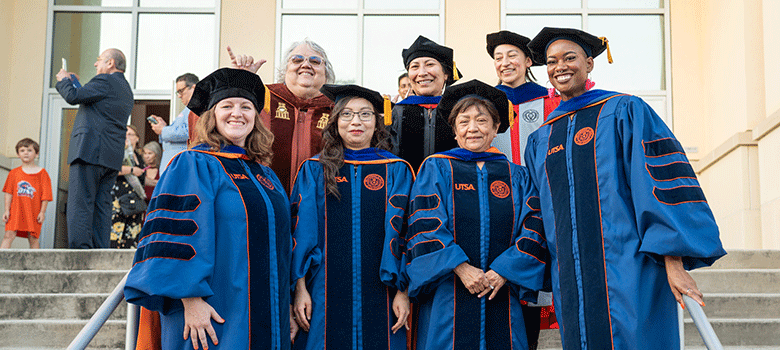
214, 254
417, 131
623, 213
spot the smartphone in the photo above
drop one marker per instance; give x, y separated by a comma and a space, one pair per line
64, 64
151, 119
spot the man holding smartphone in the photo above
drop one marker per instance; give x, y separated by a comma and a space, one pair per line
96, 147
174, 137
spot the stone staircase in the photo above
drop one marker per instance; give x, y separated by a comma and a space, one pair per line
47, 296
742, 293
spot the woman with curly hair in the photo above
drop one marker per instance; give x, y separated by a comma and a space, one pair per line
218, 230
349, 210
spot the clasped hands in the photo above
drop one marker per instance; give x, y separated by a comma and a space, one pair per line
478, 281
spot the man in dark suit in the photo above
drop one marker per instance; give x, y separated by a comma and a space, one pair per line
96, 147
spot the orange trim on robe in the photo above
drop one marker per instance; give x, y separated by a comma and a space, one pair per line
149, 331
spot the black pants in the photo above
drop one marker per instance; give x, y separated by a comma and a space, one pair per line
532, 323
89, 205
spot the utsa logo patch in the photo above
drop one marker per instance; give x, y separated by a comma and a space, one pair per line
584, 136
374, 182
464, 187
341, 179
555, 149
25, 189
499, 189
265, 182
239, 177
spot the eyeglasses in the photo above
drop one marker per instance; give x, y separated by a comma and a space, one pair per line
364, 116
182, 90
313, 60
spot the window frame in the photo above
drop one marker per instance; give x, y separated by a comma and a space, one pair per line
134, 10
360, 12
585, 12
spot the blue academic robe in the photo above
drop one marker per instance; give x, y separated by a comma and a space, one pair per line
617, 195
351, 249
218, 227
460, 213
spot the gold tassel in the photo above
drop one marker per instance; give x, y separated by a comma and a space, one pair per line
455, 74
511, 113
604, 41
267, 102
388, 111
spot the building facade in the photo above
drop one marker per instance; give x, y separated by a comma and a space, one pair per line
704, 65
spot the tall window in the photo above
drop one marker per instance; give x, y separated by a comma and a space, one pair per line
363, 38
161, 39
638, 34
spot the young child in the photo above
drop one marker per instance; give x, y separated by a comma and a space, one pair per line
27, 193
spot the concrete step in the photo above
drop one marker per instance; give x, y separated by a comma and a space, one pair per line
746, 305
549, 339
59, 281
726, 347
737, 280
749, 259
58, 334
66, 259
738, 332
73, 306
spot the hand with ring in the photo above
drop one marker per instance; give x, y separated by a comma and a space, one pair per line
680, 281
495, 281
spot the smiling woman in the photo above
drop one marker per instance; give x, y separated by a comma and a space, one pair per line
617, 264
297, 111
348, 269
417, 131
216, 216
513, 60
468, 206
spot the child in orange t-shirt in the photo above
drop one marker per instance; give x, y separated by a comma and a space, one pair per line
27, 193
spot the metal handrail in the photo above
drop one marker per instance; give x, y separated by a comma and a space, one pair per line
101, 316
708, 335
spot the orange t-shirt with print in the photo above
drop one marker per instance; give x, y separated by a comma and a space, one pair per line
28, 191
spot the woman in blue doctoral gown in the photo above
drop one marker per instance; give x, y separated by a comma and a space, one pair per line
349, 218
213, 255
468, 207
623, 212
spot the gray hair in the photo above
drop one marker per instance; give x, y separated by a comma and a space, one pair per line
330, 75
119, 59
154, 147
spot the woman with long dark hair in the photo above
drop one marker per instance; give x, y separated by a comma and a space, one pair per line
349, 209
